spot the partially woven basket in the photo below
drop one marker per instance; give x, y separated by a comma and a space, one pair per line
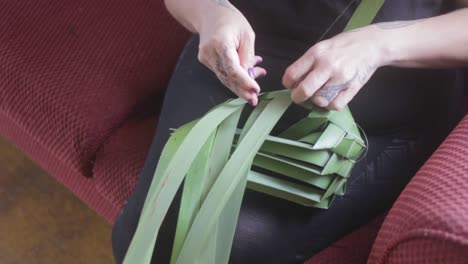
315, 157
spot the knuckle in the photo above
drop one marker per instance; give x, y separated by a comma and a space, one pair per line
202, 57
335, 106
318, 49
354, 88
320, 76
341, 76
317, 102
347, 74
250, 35
322, 45
217, 41
332, 64
314, 52
289, 76
336, 67
307, 93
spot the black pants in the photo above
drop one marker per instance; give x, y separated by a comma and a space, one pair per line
270, 230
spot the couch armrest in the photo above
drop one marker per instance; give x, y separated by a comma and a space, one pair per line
429, 221
72, 72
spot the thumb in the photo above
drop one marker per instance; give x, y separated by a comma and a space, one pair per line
246, 50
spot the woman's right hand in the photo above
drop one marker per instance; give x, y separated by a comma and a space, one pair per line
227, 48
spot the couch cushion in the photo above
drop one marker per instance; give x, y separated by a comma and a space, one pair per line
72, 71
83, 187
429, 221
353, 248
121, 157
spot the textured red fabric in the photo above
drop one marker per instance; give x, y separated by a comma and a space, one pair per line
72, 71
351, 249
119, 161
83, 187
429, 221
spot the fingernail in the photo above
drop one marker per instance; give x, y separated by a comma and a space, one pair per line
251, 73
251, 102
255, 90
259, 60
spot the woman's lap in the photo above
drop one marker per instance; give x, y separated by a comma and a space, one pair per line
269, 230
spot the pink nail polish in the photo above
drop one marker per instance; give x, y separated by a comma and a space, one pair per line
251, 73
255, 90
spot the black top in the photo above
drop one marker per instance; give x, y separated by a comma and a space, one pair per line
394, 98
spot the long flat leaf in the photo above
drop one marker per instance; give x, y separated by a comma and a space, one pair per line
169, 181
229, 215
233, 173
290, 169
192, 194
141, 247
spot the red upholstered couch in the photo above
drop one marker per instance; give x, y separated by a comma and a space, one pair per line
81, 85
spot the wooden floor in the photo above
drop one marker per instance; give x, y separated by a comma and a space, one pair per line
41, 221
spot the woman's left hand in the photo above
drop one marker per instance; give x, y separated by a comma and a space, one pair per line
333, 71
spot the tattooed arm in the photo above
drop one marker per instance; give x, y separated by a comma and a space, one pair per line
226, 42
437, 42
333, 71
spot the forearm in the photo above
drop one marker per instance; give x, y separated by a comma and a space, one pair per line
190, 13
434, 42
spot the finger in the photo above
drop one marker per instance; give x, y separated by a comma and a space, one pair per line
311, 83
231, 84
248, 95
331, 89
258, 60
225, 64
215, 62
256, 72
297, 71
344, 97
246, 50
234, 75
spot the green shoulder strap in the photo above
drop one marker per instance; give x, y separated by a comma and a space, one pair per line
364, 14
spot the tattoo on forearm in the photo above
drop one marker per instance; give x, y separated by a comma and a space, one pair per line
331, 91
365, 73
389, 25
396, 24
223, 3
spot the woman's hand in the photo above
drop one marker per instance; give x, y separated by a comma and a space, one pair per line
227, 48
333, 71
